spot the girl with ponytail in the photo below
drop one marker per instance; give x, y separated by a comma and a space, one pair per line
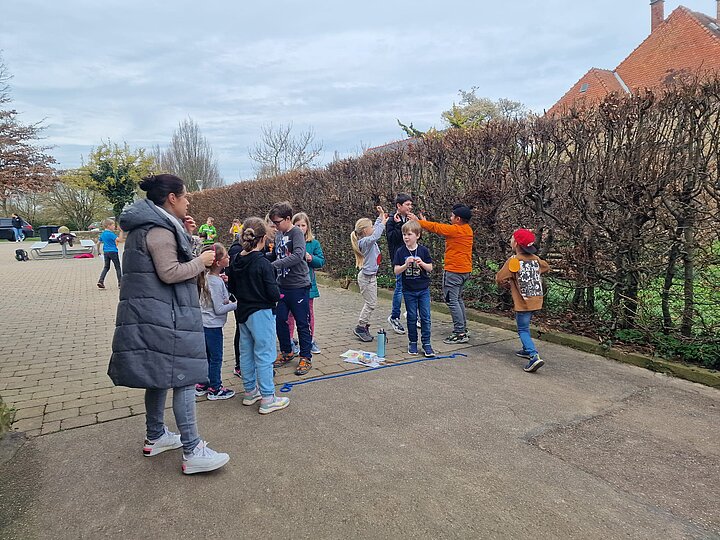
251, 279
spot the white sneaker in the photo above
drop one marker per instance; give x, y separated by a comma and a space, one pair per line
203, 459
275, 405
252, 399
168, 441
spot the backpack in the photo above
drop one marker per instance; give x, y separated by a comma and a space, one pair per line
21, 255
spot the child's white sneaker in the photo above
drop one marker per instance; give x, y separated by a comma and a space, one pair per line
274, 405
168, 441
203, 459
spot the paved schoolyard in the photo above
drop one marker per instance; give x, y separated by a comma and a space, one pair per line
56, 336
470, 447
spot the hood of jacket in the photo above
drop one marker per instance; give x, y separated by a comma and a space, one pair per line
241, 264
146, 214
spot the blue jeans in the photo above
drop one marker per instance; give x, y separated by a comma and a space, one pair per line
418, 301
257, 352
18, 234
297, 302
522, 318
214, 349
184, 410
397, 298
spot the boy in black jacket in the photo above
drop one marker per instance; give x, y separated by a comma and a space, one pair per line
393, 231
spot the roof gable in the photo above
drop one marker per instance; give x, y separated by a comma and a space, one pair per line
686, 43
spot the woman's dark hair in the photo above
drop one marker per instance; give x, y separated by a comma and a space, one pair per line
253, 232
159, 186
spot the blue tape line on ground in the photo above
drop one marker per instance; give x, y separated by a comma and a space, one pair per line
287, 387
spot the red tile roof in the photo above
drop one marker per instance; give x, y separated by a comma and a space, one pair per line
687, 42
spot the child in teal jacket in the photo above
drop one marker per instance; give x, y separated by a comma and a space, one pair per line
315, 259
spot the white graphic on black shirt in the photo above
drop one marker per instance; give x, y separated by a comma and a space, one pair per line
528, 279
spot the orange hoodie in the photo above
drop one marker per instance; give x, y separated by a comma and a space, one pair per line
458, 245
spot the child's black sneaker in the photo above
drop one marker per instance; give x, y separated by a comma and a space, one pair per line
220, 393
412, 348
304, 366
428, 351
523, 354
363, 333
456, 337
283, 358
396, 325
201, 389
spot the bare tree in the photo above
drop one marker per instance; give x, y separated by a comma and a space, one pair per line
279, 151
75, 203
190, 157
24, 165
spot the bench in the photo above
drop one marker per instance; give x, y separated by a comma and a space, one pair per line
40, 250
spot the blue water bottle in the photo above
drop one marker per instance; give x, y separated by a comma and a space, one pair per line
381, 341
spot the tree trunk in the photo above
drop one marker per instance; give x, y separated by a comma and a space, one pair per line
667, 286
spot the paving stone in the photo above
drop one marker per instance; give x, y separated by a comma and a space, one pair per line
114, 414
78, 421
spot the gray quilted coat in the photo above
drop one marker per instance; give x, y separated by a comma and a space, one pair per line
159, 340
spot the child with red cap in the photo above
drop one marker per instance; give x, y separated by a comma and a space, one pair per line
521, 274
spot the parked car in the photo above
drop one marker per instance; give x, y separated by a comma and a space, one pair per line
7, 232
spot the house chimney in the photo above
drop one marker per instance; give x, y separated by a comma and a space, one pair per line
657, 13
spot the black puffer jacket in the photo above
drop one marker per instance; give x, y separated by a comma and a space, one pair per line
159, 340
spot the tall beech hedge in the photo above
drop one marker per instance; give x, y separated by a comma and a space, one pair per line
624, 197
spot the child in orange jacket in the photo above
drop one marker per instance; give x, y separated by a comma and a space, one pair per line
457, 265
521, 274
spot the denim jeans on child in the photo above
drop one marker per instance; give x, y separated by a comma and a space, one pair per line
418, 301
214, 349
184, 410
452, 288
297, 302
522, 318
257, 352
397, 298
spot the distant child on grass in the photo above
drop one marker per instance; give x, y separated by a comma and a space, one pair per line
411, 264
458, 264
521, 274
315, 259
251, 278
367, 259
215, 304
108, 240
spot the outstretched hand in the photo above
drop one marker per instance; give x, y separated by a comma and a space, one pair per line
382, 214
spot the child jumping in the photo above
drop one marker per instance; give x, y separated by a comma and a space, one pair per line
252, 280
315, 259
411, 264
215, 304
521, 274
367, 259
458, 264
108, 240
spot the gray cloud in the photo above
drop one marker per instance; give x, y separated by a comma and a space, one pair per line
131, 71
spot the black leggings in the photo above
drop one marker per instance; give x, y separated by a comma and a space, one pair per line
115, 258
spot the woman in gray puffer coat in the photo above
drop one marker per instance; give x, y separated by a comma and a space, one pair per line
159, 341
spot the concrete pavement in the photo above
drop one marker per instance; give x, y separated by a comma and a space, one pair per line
453, 448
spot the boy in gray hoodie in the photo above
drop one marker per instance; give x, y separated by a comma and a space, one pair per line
288, 260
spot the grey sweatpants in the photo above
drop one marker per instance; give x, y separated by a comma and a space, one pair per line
452, 293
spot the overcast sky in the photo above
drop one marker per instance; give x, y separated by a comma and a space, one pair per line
129, 70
